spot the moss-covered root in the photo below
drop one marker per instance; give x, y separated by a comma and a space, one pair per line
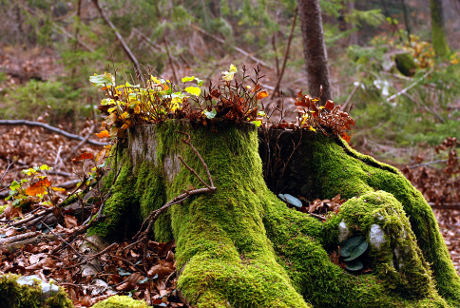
13, 295
222, 249
297, 240
333, 168
120, 302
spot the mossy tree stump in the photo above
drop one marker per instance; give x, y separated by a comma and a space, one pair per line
240, 246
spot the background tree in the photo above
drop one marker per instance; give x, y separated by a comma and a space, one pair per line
438, 32
314, 49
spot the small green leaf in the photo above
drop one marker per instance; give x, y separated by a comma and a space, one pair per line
105, 79
353, 266
351, 244
293, 200
257, 123
193, 90
357, 252
281, 196
14, 186
210, 114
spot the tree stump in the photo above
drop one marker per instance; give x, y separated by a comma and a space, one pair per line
241, 246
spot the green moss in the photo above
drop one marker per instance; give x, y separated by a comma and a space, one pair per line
330, 167
2, 208
399, 263
121, 207
13, 295
120, 302
241, 246
405, 64
150, 190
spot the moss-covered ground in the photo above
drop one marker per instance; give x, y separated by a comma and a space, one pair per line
14, 295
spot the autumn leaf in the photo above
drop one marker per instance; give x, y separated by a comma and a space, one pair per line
193, 90
59, 189
38, 187
103, 134
70, 221
329, 105
262, 94
83, 156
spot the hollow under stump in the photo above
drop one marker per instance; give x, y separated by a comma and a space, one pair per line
241, 246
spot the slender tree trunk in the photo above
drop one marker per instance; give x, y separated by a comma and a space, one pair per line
438, 32
314, 49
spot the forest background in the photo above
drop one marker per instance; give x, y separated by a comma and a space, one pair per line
403, 96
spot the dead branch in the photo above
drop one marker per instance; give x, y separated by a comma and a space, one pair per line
51, 128
243, 52
445, 206
347, 105
286, 55
409, 87
170, 61
12, 246
125, 47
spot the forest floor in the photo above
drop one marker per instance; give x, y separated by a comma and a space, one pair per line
117, 268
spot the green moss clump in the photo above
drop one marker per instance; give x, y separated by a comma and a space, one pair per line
120, 302
14, 295
241, 246
405, 64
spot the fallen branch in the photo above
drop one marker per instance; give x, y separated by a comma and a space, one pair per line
125, 47
439, 161
53, 129
243, 52
445, 206
409, 87
286, 55
345, 107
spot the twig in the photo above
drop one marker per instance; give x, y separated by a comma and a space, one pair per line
409, 87
189, 143
277, 62
243, 52
10, 163
75, 148
430, 163
345, 107
51, 128
125, 47
62, 240
170, 60
445, 206
317, 216
286, 55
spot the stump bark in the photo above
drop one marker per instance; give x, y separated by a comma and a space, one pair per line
241, 246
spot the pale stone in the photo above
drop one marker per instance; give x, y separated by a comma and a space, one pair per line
376, 236
344, 232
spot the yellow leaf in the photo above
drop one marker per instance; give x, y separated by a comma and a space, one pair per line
60, 189
193, 90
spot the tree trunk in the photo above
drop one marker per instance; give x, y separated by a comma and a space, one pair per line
240, 246
314, 49
438, 32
